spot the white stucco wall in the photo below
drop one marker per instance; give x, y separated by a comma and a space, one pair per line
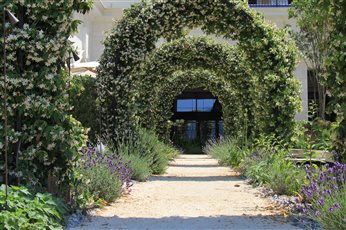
100, 20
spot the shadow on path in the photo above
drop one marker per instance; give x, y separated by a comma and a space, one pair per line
191, 223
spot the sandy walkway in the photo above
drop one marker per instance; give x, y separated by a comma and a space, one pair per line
195, 193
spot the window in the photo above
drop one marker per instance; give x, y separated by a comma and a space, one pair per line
205, 105
269, 2
195, 105
186, 105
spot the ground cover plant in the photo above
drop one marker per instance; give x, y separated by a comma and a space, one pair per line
269, 165
321, 189
27, 210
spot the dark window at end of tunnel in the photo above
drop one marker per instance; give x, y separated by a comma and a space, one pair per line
198, 118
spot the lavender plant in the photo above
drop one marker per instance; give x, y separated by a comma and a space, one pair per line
104, 176
324, 195
114, 162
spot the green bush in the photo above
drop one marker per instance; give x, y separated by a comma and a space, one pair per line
83, 99
256, 171
140, 167
28, 211
272, 169
148, 148
102, 175
101, 183
284, 176
317, 134
227, 151
158, 153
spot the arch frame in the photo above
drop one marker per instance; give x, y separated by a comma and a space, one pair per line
273, 56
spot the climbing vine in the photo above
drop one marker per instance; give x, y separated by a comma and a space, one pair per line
42, 136
271, 56
227, 74
233, 116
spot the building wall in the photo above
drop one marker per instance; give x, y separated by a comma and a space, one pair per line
100, 20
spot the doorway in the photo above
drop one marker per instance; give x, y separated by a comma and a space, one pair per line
197, 118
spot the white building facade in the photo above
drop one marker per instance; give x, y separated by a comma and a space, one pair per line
102, 17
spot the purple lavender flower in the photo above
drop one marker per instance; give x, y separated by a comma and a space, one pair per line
323, 183
321, 201
336, 205
92, 158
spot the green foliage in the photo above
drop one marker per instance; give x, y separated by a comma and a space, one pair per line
284, 176
267, 165
272, 55
28, 211
335, 219
158, 153
317, 135
83, 99
313, 40
227, 151
256, 171
324, 195
274, 170
147, 155
101, 183
141, 170
42, 136
333, 14
226, 77
336, 67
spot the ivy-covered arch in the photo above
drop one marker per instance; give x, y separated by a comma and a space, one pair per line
225, 62
272, 55
196, 78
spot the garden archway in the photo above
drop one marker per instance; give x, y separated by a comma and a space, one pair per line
191, 79
159, 74
272, 55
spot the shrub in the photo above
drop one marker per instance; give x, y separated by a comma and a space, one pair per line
317, 134
325, 195
150, 155
139, 165
284, 176
255, 168
269, 165
30, 211
83, 99
227, 151
41, 131
101, 183
105, 175
157, 152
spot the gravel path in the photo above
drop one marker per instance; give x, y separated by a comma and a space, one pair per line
195, 193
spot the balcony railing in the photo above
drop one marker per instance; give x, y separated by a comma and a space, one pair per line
270, 3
